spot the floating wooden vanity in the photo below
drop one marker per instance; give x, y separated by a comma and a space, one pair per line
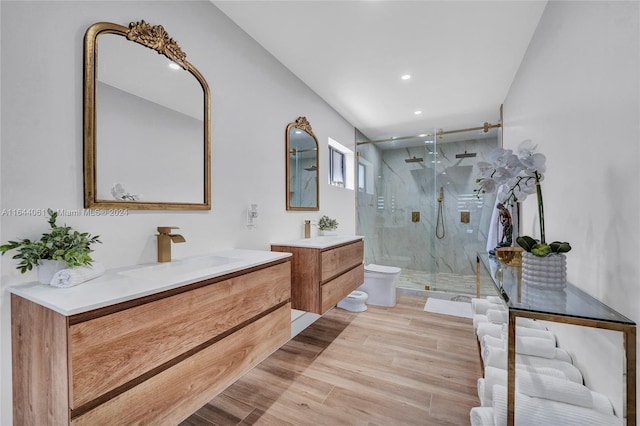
151, 353
324, 270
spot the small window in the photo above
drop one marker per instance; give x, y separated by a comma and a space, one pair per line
336, 167
362, 177
342, 166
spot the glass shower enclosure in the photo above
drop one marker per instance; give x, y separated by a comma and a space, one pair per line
417, 208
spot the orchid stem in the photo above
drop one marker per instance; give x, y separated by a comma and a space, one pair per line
540, 207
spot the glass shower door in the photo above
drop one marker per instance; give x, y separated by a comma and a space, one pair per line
417, 208
396, 213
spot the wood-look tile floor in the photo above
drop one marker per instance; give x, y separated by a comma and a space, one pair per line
385, 366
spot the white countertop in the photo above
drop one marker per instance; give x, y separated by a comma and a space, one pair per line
128, 283
320, 242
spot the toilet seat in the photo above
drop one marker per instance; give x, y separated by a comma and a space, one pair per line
382, 269
354, 302
359, 295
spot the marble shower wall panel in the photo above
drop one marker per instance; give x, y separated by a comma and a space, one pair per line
407, 188
456, 252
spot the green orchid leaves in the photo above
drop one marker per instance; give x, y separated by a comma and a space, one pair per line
538, 249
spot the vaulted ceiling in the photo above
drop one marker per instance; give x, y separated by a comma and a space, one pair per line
461, 55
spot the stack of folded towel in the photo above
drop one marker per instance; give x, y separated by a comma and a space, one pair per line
73, 276
549, 388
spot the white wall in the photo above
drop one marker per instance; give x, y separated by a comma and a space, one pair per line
577, 96
253, 99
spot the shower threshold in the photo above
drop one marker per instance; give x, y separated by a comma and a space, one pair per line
443, 282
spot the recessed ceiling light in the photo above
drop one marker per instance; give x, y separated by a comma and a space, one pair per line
418, 112
406, 77
174, 66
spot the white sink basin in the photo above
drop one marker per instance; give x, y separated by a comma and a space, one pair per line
179, 267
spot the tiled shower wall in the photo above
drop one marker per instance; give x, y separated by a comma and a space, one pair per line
395, 190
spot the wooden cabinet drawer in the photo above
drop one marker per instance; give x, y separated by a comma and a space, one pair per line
338, 288
112, 350
339, 259
172, 395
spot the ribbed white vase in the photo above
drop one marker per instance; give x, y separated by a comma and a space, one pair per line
549, 272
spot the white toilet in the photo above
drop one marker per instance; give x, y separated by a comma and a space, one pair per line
380, 284
354, 302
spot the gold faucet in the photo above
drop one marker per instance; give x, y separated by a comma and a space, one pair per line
164, 242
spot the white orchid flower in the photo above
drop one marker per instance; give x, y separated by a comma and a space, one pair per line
499, 156
534, 161
526, 148
486, 169
488, 185
502, 175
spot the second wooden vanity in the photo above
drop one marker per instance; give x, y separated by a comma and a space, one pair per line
324, 270
85, 358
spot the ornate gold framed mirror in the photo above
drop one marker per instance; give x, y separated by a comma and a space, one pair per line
146, 122
302, 166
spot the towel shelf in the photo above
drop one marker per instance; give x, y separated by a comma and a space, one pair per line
569, 306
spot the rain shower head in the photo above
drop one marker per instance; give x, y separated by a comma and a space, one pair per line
414, 160
466, 154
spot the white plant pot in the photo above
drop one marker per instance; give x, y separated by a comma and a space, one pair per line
328, 232
549, 272
48, 268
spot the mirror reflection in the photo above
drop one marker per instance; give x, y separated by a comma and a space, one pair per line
147, 145
302, 166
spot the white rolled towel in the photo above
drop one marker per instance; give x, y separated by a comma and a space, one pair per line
492, 376
480, 306
562, 390
488, 328
531, 411
493, 341
536, 346
488, 340
497, 357
495, 376
552, 388
73, 276
529, 332
602, 403
497, 316
477, 319
525, 346
482, 392
530, 323
481, 416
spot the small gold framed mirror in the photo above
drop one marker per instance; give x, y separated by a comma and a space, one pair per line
146, 121
302, 166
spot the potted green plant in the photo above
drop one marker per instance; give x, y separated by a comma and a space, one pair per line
62, 245
327, 226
